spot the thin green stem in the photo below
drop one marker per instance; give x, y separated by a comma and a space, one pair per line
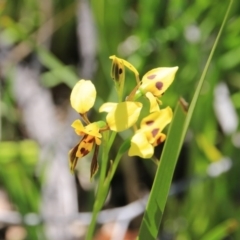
101, 192
104, 184
111, 139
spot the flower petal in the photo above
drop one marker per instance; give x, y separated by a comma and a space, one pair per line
126, 64
118, 69
92, 129
107, 107
157, 119
158, 80
72, 158
153, 124
83, 96
94, 163
154, 106
159, 139
123, 115
78, 126
85, 146
140, 146
98, 141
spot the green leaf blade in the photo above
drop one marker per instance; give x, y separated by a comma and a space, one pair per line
154, 211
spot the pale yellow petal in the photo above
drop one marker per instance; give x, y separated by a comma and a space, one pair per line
78, 126
83, 96
157, 119
107, 107
158, 80
140, 146
98, 141
92, 129
154, 106
123, 116
154, 123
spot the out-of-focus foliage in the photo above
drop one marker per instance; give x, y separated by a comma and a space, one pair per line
18, 161
148, 34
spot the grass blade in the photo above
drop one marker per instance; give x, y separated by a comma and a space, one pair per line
162, 182
222, 230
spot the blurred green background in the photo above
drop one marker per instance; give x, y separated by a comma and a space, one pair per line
46, 46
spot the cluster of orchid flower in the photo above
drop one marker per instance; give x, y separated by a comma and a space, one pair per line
123, 115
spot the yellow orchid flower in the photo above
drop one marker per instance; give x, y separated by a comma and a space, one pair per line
118, 73
91, 129
154, 123
121, 116
83, 96
150, 133
91, 137
118, 68
140, 146
157, 80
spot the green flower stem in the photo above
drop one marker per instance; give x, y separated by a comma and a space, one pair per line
101, 193
111, 140
104, 181
124, 147
138, 94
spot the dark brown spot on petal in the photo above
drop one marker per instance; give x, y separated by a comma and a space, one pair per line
149, 123
120, 71
159, 85
159, 140
155, 132
84, 151
91, 140
151, 77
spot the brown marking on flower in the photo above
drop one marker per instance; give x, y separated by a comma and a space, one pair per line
159, 85
94, 163
72, 154
116, 71
151, 77
90, 140
150, 122
155, 132
84, 151
159, 140
73, 158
